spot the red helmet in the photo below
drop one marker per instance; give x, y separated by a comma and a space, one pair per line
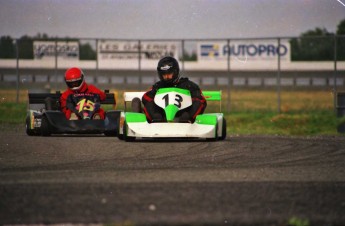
74, 78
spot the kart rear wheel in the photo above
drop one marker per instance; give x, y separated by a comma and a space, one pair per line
223, 130
45, 126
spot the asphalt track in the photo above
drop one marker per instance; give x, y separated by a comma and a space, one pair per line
243, 180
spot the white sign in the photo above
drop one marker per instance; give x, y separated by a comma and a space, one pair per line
64, 49
244, 50
119, 50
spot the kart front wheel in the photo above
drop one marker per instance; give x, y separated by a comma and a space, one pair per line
125, 137
110, 133
45, 126
120, 136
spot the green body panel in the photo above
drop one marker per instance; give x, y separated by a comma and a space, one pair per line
173, 89
212, 95
135, 117
170, 112
209, 95
207, 119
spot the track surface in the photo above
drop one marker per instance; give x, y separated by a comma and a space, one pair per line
244, 180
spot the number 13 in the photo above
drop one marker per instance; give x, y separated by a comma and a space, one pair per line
178, 100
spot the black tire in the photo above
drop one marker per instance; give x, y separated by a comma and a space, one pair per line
136, 105
223, 130
110, 133
121, 137
30, 132
45, 126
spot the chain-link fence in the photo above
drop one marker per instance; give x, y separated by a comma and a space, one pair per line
276, 68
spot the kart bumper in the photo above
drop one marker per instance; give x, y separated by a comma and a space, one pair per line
170, 130
58, 124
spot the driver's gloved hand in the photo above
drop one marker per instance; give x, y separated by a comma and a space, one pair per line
156, 117
185, 117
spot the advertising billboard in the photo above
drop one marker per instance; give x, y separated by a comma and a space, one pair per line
244, 50
64, 49
129, 50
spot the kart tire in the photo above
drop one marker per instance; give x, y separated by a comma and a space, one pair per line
223, 130
45, 128
29, 132
125, 137
110, 133
120, 136
136, 105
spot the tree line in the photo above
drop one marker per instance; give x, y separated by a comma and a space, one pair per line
25, 47
319, 45
312, 45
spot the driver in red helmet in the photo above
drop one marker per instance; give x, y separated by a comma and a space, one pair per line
169, 75
75, 81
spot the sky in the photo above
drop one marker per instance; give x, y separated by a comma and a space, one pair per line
168, 19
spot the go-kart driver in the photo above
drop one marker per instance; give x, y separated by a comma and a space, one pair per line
169, 75
75, 81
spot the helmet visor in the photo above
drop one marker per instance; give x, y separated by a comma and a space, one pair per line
168, 76
74, 84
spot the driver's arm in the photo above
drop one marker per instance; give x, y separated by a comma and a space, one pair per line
95, 90
64, 99
198, 102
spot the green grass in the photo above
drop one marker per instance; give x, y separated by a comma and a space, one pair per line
298, 123
12, 112
304, 113
295, 221
316, 122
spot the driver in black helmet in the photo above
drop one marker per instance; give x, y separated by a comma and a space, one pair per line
169, 75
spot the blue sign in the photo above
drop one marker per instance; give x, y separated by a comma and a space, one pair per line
210, 50
243, 50
255, 50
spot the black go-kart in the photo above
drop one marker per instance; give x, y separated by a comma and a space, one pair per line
45, 118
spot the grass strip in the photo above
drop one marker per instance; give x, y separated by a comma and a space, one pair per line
317, 122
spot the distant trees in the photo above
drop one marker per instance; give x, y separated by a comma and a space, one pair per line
189, 56
341, 41
318, 45
312, 45
86, 52
7, 47
25, 47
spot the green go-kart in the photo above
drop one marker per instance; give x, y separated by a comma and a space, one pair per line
208, 126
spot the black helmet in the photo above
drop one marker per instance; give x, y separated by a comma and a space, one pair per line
168, 65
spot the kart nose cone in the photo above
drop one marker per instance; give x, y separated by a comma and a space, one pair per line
170, 112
